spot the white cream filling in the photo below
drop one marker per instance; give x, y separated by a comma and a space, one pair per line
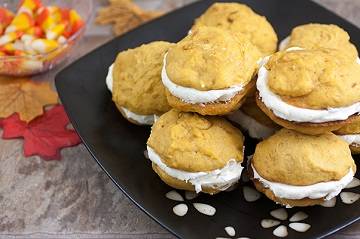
141, 119
219, 179
253, 127
326, 190
284, 43
351, 139
292, 113
109, 78
194, 96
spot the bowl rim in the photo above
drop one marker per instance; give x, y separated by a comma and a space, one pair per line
73, 37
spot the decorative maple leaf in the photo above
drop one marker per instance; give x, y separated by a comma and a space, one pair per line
125, 15
25, 96
45, 135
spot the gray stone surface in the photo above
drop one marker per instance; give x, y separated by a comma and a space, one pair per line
73, 198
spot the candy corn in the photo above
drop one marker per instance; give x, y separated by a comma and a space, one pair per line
5, 18
56, 31
9, 37
61, 40
29, 6
49, 17
21, 22
36, 29
76, 23
44, 46
19, 45
8, 49
26, 38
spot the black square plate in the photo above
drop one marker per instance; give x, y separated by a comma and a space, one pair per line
118, 146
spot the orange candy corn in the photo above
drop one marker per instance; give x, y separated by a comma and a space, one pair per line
5, 18
9, 37
44, 45
56, 31
29, 6
35, 31
21, 22
76, 23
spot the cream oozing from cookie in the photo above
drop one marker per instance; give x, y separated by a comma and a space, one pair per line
219, 179
109, 78
326, 190
284, 43
194, 96
253, 127
140, 119
292, 113
351, 139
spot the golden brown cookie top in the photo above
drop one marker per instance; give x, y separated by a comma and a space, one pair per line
293, 158
352, 128
210, 58
239, 18
314, 36
137, 82
190, 142
314, 79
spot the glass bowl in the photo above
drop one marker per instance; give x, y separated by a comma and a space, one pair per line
34, 64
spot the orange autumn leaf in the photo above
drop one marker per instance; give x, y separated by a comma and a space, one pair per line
25, 96
125, 15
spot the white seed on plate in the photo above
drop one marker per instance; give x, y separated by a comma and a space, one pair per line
243, 238
280, 214
174, 195
354, 183
267, 223
222, 238
299, 216
205, 209
245, 177
189, 195
146, 154
250, 194
329, 203
281, 231
299, 227
349, 197
230, 231
180, 209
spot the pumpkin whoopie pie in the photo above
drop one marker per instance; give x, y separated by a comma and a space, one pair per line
135, 82
315, 35
196, 153
295, 169
241, 19
310, 91
209, 72
351, 134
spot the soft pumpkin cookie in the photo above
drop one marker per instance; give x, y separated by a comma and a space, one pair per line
209, 71
192, 152
301, 170
135, 82
315, 36
311, 91
242, 20
351, 134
